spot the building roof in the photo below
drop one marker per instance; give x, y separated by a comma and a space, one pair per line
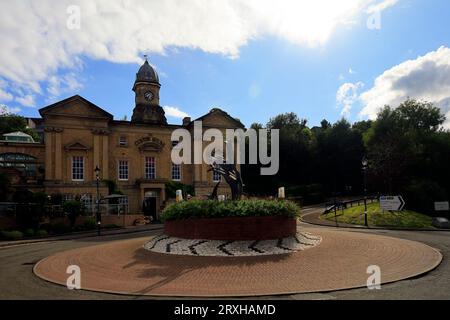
43, 111
17, 134
238, 122
22, 137
147, 73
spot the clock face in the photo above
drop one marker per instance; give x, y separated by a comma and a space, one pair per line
148, 96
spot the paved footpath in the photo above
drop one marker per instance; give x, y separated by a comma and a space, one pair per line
81, 235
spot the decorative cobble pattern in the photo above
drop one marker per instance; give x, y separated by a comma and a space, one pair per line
218, 248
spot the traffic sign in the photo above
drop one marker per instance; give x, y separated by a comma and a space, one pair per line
441, 206
392, 203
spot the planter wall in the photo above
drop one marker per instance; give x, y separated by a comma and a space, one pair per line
233, 228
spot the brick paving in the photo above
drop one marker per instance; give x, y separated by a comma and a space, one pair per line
339, 262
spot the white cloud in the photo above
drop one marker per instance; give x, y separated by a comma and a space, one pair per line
175, 112
5, 96
57, 85
37, 45
26, 101
425, 78
347, 95
380, 6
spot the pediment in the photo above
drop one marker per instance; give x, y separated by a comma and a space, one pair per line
76, 146
76, 106
218, 118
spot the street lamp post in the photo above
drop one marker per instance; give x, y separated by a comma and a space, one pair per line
98, 216
364, 163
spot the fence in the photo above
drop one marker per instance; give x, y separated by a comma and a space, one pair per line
341, 205
11, 208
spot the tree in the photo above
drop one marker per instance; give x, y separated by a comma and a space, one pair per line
73, 208
10, 122
406, 148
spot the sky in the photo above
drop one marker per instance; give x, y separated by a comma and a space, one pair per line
322, 59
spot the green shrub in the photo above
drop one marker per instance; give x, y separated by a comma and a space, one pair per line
420, 196
28, 233
11, 235
89, 224
241, 208
41, 233
173, 186
73, 209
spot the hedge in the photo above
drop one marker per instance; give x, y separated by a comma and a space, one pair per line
242, 208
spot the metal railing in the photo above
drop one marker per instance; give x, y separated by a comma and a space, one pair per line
342, 205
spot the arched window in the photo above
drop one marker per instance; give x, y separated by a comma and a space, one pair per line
23, 162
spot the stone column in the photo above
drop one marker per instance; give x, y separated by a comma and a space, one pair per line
96, 151
197, 175
105, 154
48, 154
58, 154
101, 151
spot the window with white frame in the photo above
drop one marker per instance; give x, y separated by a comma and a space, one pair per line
123, 141
68, 197
78, 168
217, 176
123, 170
86, 199
150, 169
123, 202
176, 172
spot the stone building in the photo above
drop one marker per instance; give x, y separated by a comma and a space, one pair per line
78, 136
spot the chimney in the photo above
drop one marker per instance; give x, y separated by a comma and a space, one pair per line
186, 121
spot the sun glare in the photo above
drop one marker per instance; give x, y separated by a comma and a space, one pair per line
307, 21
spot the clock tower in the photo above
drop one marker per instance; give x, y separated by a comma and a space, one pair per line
146, 89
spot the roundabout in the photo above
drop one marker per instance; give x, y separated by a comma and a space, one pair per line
339, 262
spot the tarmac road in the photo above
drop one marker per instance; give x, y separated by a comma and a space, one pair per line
17, 280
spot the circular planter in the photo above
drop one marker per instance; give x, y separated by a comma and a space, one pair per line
233, 228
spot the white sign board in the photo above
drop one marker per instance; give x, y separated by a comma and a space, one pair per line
441, 206
392, 203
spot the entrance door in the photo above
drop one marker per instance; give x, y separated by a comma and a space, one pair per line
149, 205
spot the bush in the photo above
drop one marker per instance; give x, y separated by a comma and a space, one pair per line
173, 186
420, 196
11, 235
73, 208
89, 224
241, 208
41, 233
28, 233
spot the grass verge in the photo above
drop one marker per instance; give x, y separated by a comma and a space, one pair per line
377, 218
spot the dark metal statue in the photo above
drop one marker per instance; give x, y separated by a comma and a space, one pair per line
231, 175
